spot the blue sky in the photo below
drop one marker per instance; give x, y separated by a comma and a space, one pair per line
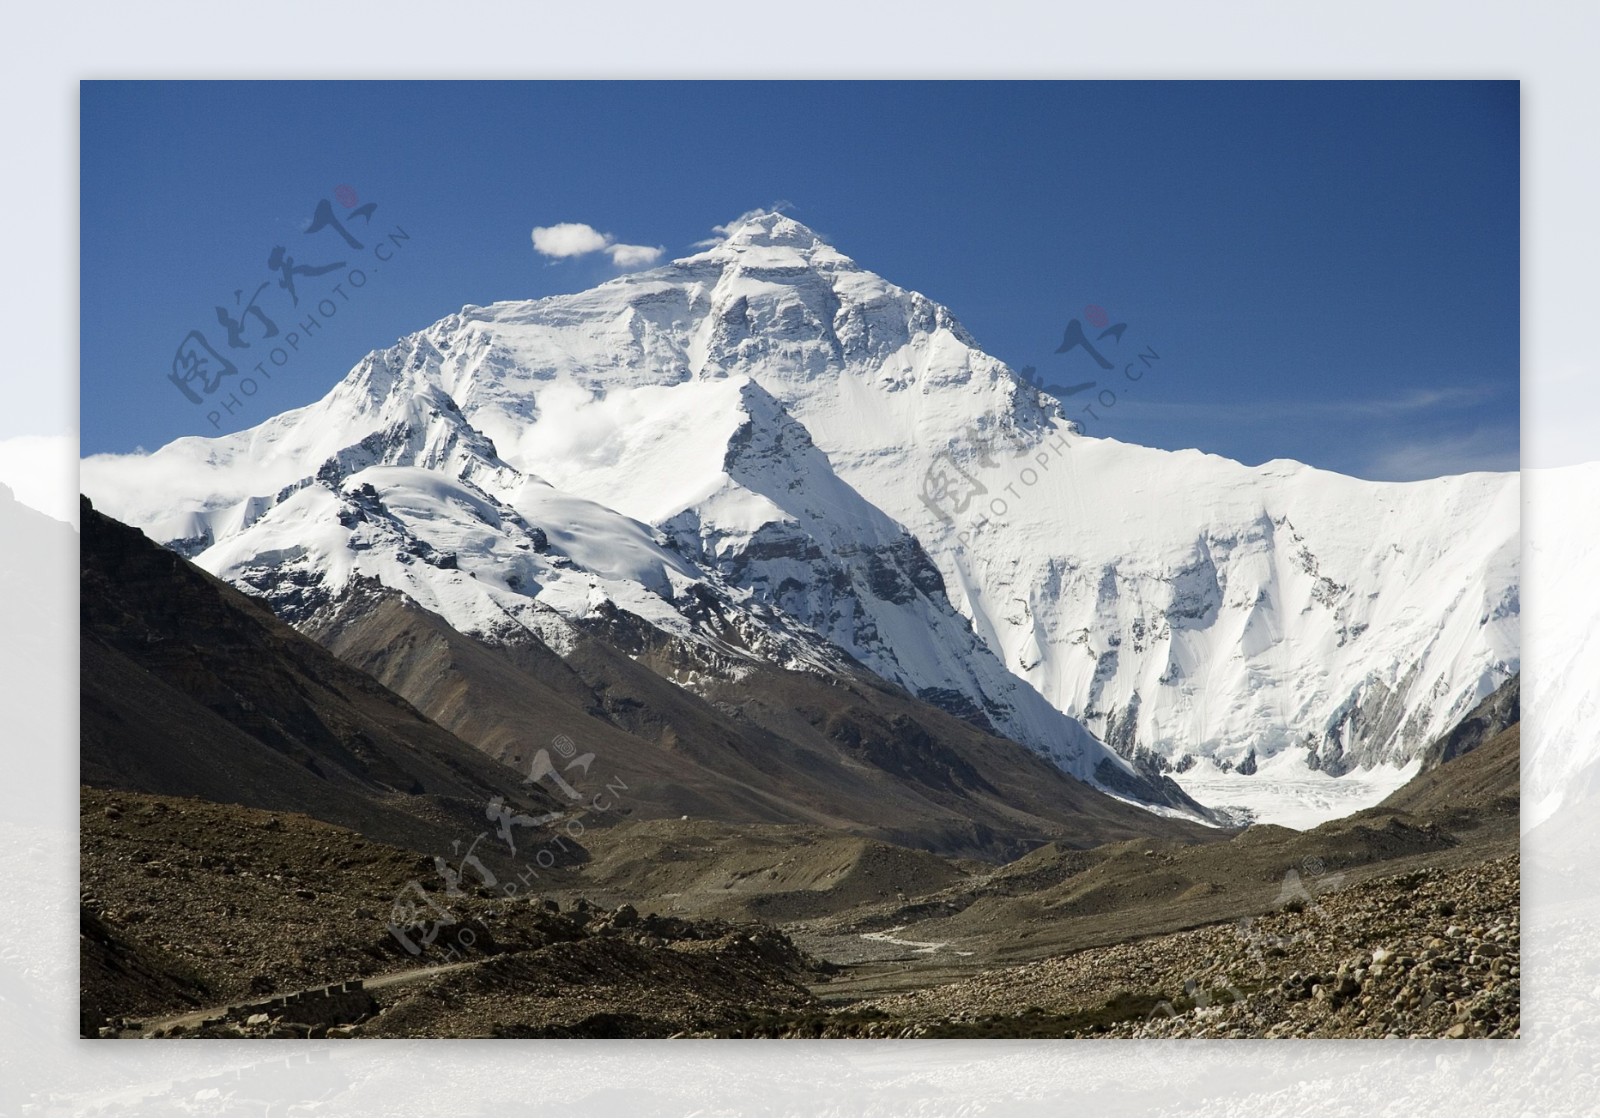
1328, 270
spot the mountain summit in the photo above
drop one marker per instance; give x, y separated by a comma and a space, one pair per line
770, 455
768, 228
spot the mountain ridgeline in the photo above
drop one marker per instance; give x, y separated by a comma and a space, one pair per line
724, 469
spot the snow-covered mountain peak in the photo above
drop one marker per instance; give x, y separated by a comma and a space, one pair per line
777, 412
768, 230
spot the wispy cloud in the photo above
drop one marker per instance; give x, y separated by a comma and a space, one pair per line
1435, 456
1273, 412
573, 238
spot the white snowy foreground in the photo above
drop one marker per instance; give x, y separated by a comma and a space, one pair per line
837, 459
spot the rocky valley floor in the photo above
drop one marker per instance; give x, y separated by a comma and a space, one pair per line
209, 920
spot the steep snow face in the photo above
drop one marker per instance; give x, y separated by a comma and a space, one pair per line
385, 480
1185, 607
784, 419
784, 526
1189, 606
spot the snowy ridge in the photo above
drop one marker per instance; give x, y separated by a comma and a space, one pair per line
757, 420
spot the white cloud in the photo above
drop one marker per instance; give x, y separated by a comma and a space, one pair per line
157, 487
634, 256
574, 238
568, 238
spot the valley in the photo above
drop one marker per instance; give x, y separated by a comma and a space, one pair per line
672, 928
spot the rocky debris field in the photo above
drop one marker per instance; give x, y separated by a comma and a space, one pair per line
605, 973
230, 902
1429, 953
628, 982
195, 914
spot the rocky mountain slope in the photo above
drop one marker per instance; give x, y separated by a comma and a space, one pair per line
1495, 715
192, 688
774, 746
